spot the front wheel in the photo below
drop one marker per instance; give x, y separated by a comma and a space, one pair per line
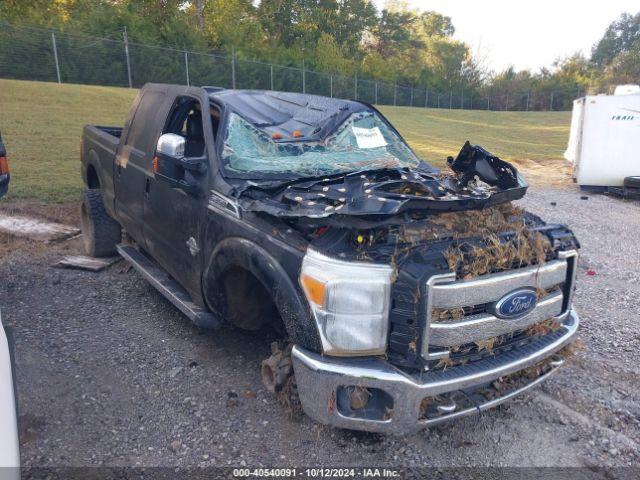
100, 232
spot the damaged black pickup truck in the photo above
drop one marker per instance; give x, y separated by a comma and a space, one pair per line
409, 296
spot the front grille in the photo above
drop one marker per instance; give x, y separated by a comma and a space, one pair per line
410, 314
460, 326
451, 315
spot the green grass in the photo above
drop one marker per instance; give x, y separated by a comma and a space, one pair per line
513, 136
41, 124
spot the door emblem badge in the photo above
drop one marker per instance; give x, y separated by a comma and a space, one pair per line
193, 246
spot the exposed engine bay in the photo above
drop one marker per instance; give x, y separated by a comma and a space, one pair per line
479, 179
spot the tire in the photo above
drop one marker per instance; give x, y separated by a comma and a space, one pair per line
632, 182
100, 232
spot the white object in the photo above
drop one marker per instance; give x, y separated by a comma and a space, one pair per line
369, 137
604, 140
36, 229
627, 90
9, 451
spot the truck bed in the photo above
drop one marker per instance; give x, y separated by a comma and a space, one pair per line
99, 147
108, 136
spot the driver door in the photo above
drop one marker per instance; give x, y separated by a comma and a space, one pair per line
173, 217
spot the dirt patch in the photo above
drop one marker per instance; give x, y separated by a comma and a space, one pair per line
34, 228
66, 213
545, 173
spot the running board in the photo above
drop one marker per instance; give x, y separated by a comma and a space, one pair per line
168, 287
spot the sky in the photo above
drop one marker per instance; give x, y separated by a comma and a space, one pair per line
528, 34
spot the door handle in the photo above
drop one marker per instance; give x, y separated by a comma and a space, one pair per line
147, 186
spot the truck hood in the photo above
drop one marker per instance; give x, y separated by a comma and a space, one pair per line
478, 179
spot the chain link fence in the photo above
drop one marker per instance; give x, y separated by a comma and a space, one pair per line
29, 53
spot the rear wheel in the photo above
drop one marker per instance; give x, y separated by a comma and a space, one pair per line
100, 232
632, 182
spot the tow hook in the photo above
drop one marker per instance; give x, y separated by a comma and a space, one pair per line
451, 407
556, 361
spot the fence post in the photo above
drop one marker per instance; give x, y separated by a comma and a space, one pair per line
450, 99
528, 96
331, 85
395, 93
411, 98
426, 98
233, 67
375, 90
356, 86
551, 102
462, 99
438, 99
186, 67
126, 54
304, 79
488, 102
55, 55
271, 70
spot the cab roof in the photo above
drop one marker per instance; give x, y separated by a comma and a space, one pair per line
286, 112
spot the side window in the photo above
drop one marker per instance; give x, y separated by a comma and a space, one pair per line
140, 133
185, 119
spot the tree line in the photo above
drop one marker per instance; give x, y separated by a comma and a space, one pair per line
345, 37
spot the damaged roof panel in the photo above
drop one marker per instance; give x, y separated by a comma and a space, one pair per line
286, 112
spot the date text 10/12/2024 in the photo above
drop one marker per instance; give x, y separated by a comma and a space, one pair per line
316, 472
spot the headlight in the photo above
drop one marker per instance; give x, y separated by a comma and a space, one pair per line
350, 303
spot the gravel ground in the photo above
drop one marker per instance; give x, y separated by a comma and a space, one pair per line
109, 373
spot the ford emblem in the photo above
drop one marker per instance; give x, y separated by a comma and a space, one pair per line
516, 304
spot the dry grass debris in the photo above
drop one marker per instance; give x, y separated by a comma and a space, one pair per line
524, 246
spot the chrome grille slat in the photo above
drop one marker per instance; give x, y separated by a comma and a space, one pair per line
445, 292
489, 288
484, 326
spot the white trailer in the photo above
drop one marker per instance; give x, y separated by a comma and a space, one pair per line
604, 141
9, 448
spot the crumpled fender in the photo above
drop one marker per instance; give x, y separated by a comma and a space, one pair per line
295, 313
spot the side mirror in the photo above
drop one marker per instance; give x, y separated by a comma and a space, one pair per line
171, 145
170, 165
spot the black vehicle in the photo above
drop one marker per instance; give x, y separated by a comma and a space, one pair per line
248, 207
4, 169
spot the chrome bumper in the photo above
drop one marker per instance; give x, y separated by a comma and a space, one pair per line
320, 378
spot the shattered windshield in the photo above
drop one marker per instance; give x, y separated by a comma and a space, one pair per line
362, 142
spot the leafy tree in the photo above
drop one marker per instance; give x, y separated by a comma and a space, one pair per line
620, 37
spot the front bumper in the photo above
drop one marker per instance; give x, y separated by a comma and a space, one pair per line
322, 382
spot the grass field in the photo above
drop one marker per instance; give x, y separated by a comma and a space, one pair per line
41, 124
